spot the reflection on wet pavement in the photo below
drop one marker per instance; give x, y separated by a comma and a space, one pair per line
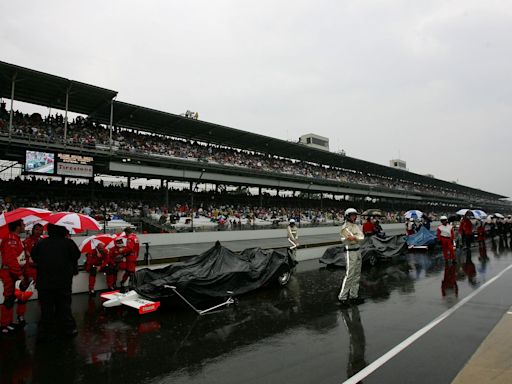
295, 334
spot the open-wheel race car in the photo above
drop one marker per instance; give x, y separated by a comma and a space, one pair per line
218, 274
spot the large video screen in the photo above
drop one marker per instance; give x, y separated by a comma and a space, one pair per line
40, 162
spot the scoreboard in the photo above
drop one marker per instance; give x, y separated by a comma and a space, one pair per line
59, 164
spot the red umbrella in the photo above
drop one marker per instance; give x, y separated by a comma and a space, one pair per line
92, 242
74, 222
28, 215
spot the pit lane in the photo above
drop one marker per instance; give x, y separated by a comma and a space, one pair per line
296, 334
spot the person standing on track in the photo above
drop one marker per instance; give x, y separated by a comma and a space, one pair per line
29, 269
446, 235
351, 237
293, 236
57, 262
131, 255
12, 260
466, 232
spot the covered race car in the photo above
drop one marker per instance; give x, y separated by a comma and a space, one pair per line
373, 248
422, 239
215, 274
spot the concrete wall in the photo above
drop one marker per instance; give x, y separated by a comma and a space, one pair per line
223, 236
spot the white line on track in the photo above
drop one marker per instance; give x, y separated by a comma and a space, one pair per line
415, 336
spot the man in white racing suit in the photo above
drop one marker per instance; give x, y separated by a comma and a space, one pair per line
351, 236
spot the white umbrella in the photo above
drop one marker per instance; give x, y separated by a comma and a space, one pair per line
413, 214
476, 213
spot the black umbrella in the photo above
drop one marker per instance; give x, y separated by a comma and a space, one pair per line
373, 212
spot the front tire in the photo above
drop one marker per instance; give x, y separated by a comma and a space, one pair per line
284, 277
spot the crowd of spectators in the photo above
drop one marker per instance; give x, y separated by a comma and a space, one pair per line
119, 201
87, 133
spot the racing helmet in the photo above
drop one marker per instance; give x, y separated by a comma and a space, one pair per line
350, 211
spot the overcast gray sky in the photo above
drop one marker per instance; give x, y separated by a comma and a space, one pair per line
429, 80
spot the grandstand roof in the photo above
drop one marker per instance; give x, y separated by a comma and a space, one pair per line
50, 91
150, 120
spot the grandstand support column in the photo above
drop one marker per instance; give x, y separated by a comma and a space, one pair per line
192, 206
129, 182
66, 116
261, 196
110, 123
167, 194
12, 102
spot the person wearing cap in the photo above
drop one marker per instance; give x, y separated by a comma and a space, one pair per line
446, 235
351, 236
293, 236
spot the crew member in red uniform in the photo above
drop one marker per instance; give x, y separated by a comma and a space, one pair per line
110, 264
93, 263
12, 252
466, 232
29, 269
446, 235
131, 255
368, 228
481, 240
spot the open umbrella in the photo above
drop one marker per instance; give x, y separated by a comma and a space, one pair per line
413, 214
476, 213
479, 214
74, 222
27, 214
92, 242
373, 212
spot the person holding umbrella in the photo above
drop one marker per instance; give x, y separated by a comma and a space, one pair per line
351, 237
368, 227
466, 232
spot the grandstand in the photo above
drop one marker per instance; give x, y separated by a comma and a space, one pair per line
115, 138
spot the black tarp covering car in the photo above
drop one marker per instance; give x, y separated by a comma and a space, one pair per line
215, 272
373, 248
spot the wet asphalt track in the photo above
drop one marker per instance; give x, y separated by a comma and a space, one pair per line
292, 335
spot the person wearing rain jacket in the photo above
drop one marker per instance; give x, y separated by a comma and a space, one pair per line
351, 236
293, 236
56, 258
